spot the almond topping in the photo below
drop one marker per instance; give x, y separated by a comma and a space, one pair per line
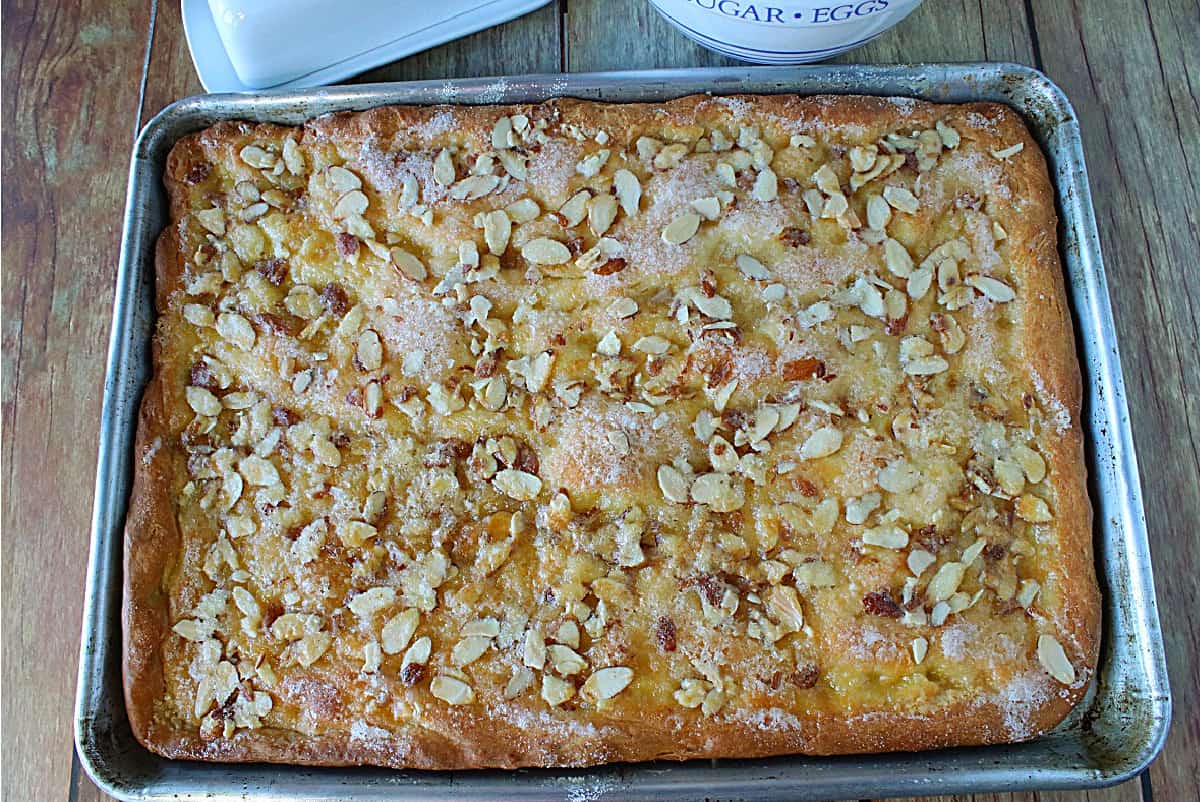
709, 208
555, 691
545, 251
681, 229
1054, 659
629, 191
203, 402
1033, 509
752, 268
520, 485
352, 204
450, 690
341, 180
474, 186
602, 211
443, 168
765, 186
398, 631
821, 443
675, 487
606, 683
236, 329
901, 199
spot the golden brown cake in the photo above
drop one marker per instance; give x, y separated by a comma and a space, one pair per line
562, 434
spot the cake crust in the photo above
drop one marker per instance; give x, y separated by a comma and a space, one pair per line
332, 712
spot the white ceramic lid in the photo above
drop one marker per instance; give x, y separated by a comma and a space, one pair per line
246, 45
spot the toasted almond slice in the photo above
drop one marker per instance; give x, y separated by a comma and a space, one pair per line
681, 229
443, 168
352, 204
576, 208
523, 211
593, 163
545, 251
885, 537
920, 647
341, 180
993, 289
257, 157
398, 631
919, 282
901, 199
497, 228
1033, 509
652, 344
766, 186
474, 186
675, 487
408, 265
520, 485
1031, 463
203, 402
602, 211
1054, 659
670, 156
709, 208
606, 683
628, 189
945, 581
623, 308
752, 268
370, 350
451, 690
469, 649
716, 307
718, 492
555, 691
236, 329
502, 134
897, 257
821, 443
879, 212
1012, 150
918, 560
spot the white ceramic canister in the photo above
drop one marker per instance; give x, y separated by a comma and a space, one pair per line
780, 32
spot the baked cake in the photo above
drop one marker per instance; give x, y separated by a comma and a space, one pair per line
563, 434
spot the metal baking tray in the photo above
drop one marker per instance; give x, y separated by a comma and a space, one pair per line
1113, 734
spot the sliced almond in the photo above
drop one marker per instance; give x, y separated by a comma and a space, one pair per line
502, 134
623, 308
341, 180
752, 268
709, 208
474, 186
766, 186
443, 168
885, 537
717, 491
408, 265
1031, 463
257, 157
879, 212
606, 683
354, 203
451, 690
236, 329
602, 211
555, 691
1033, 509
629, 191
203, 402
681, 229
901, 199
674, 485
523, 210
593, 163
945, 581
520, 485
1054, 659
469, 649
920, 647
545, 251
652, 344
993, 289
1011, 150
497, 228
398, 631
821, 443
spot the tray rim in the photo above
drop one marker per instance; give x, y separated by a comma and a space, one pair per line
1086, 266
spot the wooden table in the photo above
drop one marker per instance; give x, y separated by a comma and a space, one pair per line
81, 77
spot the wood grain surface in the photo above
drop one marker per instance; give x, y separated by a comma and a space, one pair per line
73, 73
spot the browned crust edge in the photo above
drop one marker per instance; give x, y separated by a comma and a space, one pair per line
456, 738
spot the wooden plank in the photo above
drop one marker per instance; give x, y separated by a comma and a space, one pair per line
71, 80
1129, 68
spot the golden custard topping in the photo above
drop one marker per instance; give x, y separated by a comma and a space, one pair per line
570, 433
